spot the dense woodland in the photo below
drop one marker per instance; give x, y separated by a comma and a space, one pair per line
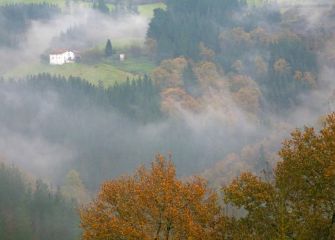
231, 81
256, 43
137, 99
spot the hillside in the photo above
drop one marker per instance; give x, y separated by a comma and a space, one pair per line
188, 119
101, 69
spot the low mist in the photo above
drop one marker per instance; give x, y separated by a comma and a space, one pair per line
48, 137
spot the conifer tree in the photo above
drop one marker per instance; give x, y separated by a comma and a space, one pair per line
108, 48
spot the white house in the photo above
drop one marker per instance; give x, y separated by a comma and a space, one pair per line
61, 57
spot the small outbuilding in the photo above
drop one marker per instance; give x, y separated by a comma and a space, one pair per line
122, 57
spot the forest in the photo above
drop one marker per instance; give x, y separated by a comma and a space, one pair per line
218, 124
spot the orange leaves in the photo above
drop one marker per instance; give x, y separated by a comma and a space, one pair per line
246, 93
306, 178
249, 191
175, 100
300, 201
208, 75
169, 73
152, 204
281, 66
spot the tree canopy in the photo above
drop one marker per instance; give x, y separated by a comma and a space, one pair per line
299, 202
152, 204
296, 203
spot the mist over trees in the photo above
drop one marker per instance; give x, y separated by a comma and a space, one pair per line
239, 41
230, 81
32, 210
294, 203
15, 20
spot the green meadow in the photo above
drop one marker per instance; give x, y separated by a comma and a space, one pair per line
106, 72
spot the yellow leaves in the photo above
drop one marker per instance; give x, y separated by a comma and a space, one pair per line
74, 189
149, 205
260, 35
175, 100
300, 200
246, 93
307, 77
249, 191
154, 204
281, 66
248, 99
306, 176
169, 73
207, 74
298, 75
310, 78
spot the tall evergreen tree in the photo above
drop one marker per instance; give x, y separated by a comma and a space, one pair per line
108, 48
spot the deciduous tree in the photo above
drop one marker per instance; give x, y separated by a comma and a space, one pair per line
152, 204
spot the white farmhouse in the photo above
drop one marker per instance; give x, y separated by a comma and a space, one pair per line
61, 57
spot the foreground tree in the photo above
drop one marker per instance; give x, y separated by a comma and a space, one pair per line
152, 204
306, 179
300, 201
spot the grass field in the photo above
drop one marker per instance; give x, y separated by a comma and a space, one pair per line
108, 72
147, 10
105, 73
139, 66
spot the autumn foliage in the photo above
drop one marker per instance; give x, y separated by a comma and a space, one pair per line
152, 204
297, 202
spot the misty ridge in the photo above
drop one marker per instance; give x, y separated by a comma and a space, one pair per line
48, 130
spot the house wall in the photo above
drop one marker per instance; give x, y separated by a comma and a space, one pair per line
56, 59
60, 59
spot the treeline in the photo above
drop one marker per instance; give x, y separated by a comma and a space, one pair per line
32, 211
137, 99
179, 29
96, 129
16, 18
294, 201
119, 7
258, 42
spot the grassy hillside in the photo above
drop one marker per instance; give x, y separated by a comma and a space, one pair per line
147, 10
108, 72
